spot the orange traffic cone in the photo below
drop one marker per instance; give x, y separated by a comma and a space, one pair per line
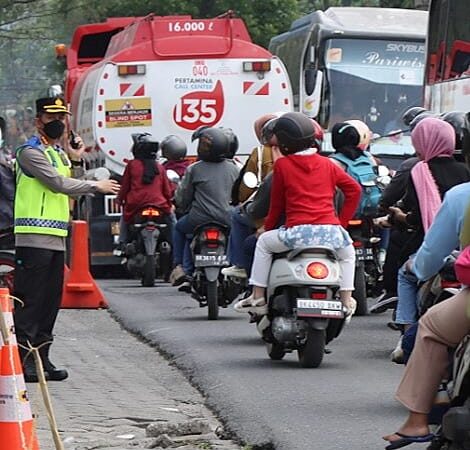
17, 431
80, 289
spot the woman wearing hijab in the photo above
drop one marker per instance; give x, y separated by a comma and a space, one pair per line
435, 173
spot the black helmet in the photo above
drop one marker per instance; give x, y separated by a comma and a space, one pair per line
459, 123
267, 132
145, 146
294, 132
173, 148
233, 141
420, 117
344, 135
411, 113
197, 134
213, 145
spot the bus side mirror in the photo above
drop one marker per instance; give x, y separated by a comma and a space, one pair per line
310, 80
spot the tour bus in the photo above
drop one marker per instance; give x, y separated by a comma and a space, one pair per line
362, 63
447, 81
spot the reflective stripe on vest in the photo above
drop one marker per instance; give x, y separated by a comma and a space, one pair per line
38, 210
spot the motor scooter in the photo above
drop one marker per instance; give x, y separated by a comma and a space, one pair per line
209, 249
368, 274
148, 250
454, 430
7, 258
441, 286
304, 311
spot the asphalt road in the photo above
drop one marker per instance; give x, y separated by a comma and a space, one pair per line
345, 404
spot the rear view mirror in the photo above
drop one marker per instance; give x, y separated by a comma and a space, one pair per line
382, 171
173, 176
310, 81
250, 180
98, 174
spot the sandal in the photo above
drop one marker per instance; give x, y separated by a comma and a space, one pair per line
350, 310
407, 440
256, 306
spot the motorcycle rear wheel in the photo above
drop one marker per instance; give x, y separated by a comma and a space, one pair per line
360, 291
148, 278
7, 270
311, 353
212, 301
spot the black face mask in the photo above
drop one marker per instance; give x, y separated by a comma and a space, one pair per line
54, 129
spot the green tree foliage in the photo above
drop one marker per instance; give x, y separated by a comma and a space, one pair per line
25, 45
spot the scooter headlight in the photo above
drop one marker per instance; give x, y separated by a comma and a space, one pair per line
317, 270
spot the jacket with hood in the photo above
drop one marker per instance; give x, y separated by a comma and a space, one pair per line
303, 188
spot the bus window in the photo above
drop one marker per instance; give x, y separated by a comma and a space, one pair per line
374, 81
458, 40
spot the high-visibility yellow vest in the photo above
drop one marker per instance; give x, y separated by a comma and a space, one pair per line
38, 209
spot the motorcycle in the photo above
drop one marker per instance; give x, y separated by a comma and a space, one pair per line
7, 258
304, 313
148, 250
441, 286
209, 248
454, 431
368, 275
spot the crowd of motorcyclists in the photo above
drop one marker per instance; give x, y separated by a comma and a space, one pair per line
224, 223
290, 204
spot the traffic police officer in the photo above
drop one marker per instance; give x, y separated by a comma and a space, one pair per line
43, 187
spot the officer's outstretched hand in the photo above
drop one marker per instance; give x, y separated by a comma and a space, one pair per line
108, 186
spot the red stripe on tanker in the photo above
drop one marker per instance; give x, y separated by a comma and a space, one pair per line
256, 88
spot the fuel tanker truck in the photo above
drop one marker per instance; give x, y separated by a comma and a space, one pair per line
162, 75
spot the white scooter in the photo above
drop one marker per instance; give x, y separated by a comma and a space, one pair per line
304, 311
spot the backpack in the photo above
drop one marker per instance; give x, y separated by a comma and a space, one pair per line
363, 171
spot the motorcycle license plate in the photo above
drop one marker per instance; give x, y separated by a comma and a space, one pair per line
210, 260
364, 254
326, 309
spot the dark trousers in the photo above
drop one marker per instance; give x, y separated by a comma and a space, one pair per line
39, 277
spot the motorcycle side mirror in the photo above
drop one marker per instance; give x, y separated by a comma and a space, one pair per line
101, 173
385, 181
250, 180
382, 171
172, 176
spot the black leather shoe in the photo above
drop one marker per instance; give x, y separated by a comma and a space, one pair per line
53, 372
29, 371
56, 374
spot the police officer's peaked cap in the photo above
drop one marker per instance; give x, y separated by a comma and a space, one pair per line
51, 105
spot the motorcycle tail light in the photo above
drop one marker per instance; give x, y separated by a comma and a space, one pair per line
317, 270
150, 212
319, 295
212, 234
357, 244
355, 222
450, 284
212, 237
